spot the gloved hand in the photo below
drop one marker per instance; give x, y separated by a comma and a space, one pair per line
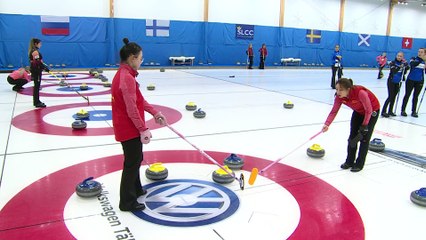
146, 136
160, 119
363, 130
45, 67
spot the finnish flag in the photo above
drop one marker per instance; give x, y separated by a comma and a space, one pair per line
157, 28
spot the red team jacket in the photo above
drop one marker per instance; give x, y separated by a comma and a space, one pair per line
360, 99
128, 105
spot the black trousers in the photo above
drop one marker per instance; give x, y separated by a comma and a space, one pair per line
393, 89
250, 66
262, 63
17, 83
356, 122
130, 186
409, 86
36, 75
339, 72
380, 72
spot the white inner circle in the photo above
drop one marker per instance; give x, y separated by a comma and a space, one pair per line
183, 200
266, 210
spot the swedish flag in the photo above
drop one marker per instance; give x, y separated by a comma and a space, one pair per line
313, 36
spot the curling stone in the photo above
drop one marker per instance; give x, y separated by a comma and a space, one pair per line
288, 105
64, 74
156, 172
150, 87
107, 84
376, 145
220, 176
103, 78
62, 83
84, 86
88, 188
191, 106
199, 113
232, 76
162, 70
419, 197
79, 124
83, 114
234, 162
315, 151
93, 71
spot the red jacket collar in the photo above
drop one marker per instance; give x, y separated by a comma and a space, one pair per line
132, 71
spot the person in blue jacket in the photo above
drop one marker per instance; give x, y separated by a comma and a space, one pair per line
415, 80
398, 68
336, 66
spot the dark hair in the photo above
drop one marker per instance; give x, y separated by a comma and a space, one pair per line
345, 83
129, 48
33, 42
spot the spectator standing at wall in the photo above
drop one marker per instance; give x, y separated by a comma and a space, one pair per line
250, 56
263, 53
398, 68
336, 66
415, 80
381, 60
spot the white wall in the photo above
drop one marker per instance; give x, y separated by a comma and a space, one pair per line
409, 21
366, 16
361, 16
312, 14
79, 8
256, 12
185, 10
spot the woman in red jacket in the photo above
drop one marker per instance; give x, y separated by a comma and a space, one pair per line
19, 78
128, 118
250, 56
366, 108
382, 60
263, 53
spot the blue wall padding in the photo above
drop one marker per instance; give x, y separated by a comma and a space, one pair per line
95, 42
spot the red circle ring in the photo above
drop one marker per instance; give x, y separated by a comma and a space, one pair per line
29, 91
32, 121
88, 76
36, 212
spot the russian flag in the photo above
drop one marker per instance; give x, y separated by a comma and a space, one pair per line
55, 25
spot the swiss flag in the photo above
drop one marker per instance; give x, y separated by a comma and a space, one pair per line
407, 43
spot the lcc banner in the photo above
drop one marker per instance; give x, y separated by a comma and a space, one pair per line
244, 31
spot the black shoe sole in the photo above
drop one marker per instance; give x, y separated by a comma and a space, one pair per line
345, 166
138, 207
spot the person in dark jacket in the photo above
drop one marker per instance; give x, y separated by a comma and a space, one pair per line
336, 66
398, 68
415, 80
36, 67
